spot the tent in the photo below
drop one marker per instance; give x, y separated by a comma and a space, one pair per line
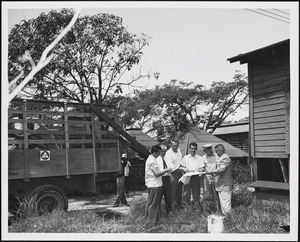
201, 137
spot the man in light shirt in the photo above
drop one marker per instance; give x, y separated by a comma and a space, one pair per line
210, 197
166, 180
192, 163
153, 181
174, 156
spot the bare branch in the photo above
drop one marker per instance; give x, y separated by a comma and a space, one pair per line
45, 59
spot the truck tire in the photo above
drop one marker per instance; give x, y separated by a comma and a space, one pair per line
45, 199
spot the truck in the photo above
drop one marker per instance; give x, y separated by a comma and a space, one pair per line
58, 147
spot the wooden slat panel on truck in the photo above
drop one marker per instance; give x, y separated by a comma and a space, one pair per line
78, 141
16, 168
54, 166
26, 156
81, 161
107, 160
67, 146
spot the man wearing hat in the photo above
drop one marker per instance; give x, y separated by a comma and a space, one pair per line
126, 173
121, 183
210, 201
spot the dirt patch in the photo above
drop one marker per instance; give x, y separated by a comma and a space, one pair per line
103, 203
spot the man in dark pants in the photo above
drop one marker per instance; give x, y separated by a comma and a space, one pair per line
166, 180
121, 184
174, 156
153, 181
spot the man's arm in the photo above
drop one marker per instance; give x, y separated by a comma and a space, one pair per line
224, 163
158, 172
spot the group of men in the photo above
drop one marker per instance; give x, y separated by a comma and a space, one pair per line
174, 177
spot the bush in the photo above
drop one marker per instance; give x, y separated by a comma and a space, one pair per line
241, 196
241, 171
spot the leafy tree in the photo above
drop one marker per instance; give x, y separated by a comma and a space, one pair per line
224, 99
89, 61
173, 107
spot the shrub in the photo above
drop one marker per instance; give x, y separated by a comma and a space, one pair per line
241, 196
241, 171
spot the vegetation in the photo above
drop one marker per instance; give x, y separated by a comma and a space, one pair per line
247, 216
89, 61
165, 110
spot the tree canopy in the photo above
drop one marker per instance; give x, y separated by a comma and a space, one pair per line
89, 61
165, 110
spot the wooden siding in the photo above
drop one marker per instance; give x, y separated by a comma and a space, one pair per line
78, 141
237, 140
270, 85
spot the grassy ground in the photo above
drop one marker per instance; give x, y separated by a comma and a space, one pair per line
247, 216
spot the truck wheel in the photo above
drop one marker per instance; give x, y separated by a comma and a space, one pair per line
45, 199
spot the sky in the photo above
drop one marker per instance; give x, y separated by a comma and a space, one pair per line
189, 42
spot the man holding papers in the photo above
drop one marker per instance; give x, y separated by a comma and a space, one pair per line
174, 156
166, 192
193, 166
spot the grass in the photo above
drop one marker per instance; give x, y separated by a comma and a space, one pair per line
247, 216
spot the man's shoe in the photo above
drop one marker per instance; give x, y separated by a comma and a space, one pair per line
126, 204
116, 205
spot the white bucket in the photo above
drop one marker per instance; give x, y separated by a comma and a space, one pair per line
215, 224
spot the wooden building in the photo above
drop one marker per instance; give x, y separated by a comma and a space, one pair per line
234, 133
269, 110
202, 137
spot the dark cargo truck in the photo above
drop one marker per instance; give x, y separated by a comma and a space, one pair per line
56, 147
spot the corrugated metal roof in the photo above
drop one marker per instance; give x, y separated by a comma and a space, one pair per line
232, 129
201, 137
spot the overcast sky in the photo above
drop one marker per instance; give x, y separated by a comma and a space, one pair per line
190, 42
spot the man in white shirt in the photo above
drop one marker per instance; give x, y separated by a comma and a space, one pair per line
192, 163
153, 181
166, 180
174, 156
126, 173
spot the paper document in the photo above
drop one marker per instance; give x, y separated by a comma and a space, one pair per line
175, 168
185, 179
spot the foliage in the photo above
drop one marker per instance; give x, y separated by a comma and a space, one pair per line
258, 217
241, 195
225, 99
241, 171
168, 109
249, 216
89, 61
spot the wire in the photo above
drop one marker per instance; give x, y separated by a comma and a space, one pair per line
266, 15
281, 11
274, 13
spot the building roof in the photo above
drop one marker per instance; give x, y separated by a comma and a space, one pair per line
142, 138
267, 50
234, 128
201, 137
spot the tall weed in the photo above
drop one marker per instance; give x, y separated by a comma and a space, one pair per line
247, 216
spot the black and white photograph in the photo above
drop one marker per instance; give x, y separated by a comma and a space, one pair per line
168, 121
